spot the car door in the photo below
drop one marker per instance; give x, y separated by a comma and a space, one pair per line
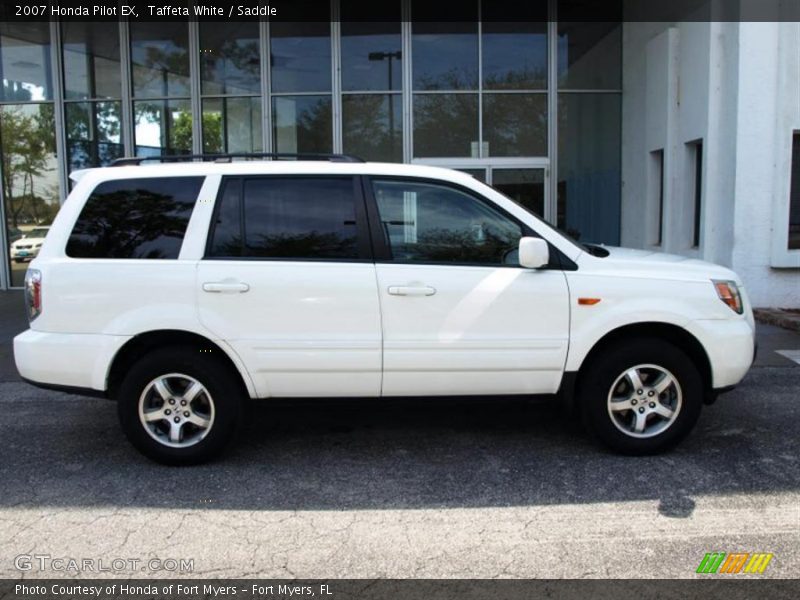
288, 281
459, 315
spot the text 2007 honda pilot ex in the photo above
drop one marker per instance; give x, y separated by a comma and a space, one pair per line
179, 290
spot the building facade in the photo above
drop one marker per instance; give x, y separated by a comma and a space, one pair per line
595, 126
711, 147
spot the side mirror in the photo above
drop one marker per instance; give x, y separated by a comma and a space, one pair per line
533, 253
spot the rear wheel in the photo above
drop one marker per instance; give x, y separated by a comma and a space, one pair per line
641, 396
179, 406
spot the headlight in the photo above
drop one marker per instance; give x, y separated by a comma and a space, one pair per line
728, 292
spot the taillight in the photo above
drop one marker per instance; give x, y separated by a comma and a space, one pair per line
728, 292
33, 293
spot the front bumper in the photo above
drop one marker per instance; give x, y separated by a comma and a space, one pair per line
730, 347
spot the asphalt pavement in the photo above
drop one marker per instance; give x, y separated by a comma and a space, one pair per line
372, 488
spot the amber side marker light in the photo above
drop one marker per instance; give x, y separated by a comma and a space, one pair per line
728, 292
588, 301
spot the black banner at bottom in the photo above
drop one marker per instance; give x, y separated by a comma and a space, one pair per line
729, 588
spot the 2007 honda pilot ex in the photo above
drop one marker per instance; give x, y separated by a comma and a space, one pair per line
181, 289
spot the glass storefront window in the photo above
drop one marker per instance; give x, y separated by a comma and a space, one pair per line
91, 61
94, 134
514, 54
479, 174
230, 58
589, 185
478, 90
445, 125
445, 53
160, 57
524, 186
373, 126
30, 180
163, 127
300, 56
232, 125
515, 124
302, 124
589, 56
25, 62
371, 52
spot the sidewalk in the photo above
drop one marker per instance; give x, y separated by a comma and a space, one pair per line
771, 339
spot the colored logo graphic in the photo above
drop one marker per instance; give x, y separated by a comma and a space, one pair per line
737, 562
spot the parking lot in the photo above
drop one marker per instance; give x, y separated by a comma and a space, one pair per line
396, 489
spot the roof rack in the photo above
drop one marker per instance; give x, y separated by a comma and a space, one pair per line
224, 158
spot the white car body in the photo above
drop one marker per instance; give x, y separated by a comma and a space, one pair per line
312, 329
28, 246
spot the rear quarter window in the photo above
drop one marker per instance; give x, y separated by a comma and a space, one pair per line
135, 218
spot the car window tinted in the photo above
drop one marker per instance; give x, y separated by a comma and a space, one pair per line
285, 217
438, 224
135, 218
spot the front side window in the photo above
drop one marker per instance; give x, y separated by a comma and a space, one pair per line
286, 218
430, 223
135, 218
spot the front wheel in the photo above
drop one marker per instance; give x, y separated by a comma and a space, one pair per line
641, 396
179, 406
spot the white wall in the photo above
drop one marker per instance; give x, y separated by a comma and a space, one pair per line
727, 84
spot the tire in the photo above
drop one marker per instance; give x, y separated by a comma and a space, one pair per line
150, 410
634, 423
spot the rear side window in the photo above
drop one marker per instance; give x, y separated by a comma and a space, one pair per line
286, 218
135, 218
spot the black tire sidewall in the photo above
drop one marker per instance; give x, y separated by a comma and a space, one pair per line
223, 386
596, 382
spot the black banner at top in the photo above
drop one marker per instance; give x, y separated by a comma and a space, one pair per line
390, 10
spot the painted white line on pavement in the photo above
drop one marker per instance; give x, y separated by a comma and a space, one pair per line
790, 354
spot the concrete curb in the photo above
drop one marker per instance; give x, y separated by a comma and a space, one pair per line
778, 316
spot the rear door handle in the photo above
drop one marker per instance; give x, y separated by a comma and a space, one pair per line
225, 287
411, 290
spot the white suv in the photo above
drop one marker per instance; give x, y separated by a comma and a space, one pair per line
180, 290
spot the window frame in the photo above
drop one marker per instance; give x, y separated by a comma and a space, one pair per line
781, 256
381, 247
363, 245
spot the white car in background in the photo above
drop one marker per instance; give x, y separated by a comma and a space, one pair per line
180, 291
27, 247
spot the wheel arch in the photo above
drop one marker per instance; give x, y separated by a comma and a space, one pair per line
670, 332
145, 342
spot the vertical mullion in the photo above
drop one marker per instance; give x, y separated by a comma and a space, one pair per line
58, 108
125, 91
551, 206
480, 81
407, 97
266, 79
5, 272
194, 86
336, 76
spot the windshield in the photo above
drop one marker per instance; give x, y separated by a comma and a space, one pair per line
38, 232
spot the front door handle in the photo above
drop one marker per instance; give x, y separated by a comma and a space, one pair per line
411, 290
225, 287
